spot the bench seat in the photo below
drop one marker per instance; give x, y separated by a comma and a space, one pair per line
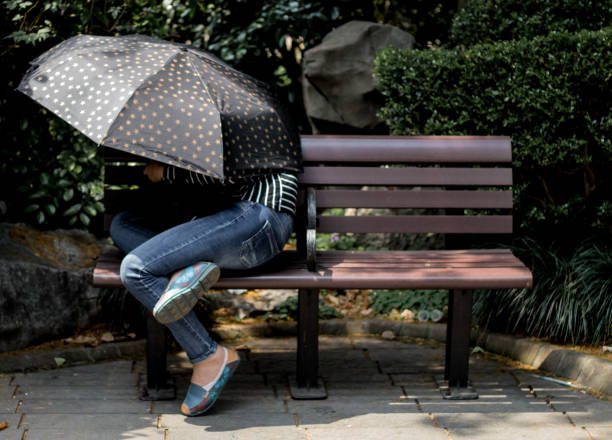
441, 269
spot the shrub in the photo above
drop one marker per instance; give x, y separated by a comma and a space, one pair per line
288, 309
485, 21
383, 301
571, 300
551, 95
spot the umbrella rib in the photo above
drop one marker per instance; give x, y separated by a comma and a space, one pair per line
200, 78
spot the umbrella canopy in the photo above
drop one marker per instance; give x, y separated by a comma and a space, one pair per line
168, 102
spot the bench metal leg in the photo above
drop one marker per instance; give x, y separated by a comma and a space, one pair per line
160, 385
458, 346
307, 384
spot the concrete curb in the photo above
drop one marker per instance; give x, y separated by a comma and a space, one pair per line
37, 360
587, 370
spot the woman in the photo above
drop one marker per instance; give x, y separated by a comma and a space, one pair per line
169, 270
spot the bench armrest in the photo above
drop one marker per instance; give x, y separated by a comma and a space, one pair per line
311, 229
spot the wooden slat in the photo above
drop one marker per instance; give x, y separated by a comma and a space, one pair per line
351, 269
407, 149
413, 199
418, 224
390, 149
406, 176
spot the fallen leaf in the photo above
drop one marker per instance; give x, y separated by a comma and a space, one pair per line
107, 337
59, 361
388, 334
3, 425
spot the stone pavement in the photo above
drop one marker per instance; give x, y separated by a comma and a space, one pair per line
377, 389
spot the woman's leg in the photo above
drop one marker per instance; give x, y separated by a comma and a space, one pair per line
241, 237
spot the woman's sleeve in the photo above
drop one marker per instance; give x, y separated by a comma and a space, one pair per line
183, 176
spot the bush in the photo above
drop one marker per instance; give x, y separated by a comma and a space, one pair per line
571, 300
551, 95
384, 301
485, 21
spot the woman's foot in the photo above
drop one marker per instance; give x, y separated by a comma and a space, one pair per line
208, 379
184, 290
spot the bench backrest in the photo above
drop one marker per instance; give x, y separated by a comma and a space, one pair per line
440, 176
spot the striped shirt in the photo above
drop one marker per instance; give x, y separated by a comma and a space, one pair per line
277, 191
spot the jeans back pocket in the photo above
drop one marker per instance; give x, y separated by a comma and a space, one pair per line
260, 248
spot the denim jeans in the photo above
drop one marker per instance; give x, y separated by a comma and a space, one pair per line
243, 236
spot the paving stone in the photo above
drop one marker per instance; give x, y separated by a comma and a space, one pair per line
225, 404
335, 343
504, 426
604, 433
418, 431
8, 406
83, 406
588, 411
229, 420
373, 414
272, 344
76, 380
256, 433
89, 422
110, 434
7, 392
502, 402
374, 343
13, 430
357, 376
102, 368
75, 393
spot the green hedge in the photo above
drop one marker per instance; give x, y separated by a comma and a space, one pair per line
551, 94
485, 21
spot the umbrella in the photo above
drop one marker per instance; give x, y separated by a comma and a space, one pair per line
168, 102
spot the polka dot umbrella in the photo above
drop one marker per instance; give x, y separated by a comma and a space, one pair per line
167, 102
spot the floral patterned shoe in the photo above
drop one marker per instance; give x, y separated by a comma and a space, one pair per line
185, 290
200, 399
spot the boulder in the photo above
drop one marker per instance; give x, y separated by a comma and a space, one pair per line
45, 284
339, 91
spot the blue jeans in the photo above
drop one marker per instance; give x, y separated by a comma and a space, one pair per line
243, 236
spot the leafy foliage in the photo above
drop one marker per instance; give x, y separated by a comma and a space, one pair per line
550, 94
288, 309
486, 21
571, 300
384, 301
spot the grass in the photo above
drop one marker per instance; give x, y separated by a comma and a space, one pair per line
571, 301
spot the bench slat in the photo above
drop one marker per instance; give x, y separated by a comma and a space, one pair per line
417, 224
413, 199
406, 176
349, 269
409, 149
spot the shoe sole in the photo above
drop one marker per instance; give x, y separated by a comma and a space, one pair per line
181, 303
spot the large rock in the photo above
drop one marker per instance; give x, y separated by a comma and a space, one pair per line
45, 284
339, 90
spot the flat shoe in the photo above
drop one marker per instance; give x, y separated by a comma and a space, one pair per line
199, 399
185, 291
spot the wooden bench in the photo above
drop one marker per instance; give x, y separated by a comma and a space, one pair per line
459, 185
